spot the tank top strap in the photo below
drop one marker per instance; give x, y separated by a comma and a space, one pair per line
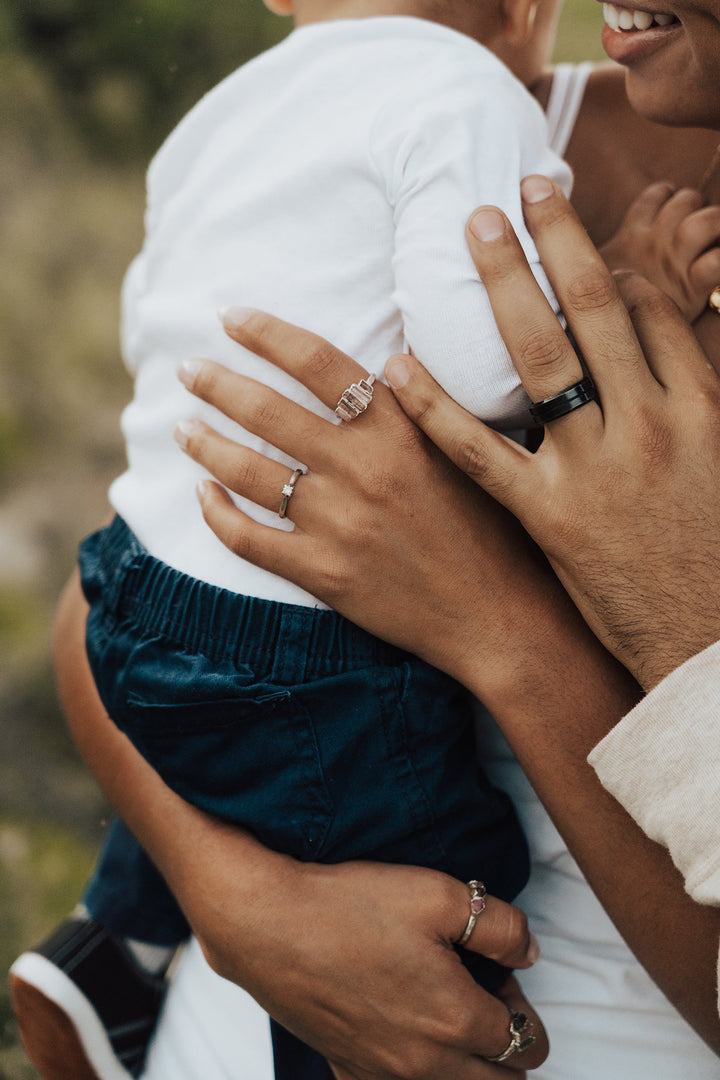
566, 96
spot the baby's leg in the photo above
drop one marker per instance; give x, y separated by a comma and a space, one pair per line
87, 999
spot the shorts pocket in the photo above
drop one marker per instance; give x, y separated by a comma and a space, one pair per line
249, 755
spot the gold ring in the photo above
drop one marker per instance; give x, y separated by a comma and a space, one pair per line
355, 399
287, 492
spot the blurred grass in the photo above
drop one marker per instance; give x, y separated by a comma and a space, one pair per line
579, 31
70, 221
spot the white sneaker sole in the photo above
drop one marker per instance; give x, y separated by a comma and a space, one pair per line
60, 1030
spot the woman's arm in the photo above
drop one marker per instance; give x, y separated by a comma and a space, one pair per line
331, 951
395, 538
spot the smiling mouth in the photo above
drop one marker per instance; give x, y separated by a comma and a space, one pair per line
626, 21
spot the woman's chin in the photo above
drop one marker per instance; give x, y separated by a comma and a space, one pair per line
662, 101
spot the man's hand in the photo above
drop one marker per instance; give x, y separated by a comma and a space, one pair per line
623, 493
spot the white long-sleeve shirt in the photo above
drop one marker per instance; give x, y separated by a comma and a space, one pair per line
329, 182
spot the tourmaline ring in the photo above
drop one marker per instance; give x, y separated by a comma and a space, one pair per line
478, 903
355, 399
520, 1036
288, 490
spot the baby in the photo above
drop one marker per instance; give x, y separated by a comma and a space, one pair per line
328, 181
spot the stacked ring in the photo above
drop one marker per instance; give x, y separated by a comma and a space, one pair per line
478, 903
355, 399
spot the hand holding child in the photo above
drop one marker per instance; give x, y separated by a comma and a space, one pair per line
671, 237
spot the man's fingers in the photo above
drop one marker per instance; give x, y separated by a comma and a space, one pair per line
488, 458
541, 352
588, 296
323, 369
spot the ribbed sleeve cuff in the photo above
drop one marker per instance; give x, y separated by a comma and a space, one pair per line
662, 763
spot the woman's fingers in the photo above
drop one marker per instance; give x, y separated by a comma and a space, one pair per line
487, 457
502, 933
289, 555
647, 205
495, 1035
698, 232
257, 408
671, 350
318, 365
243, 471
705, 271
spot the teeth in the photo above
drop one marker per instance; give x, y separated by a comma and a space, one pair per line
620, 18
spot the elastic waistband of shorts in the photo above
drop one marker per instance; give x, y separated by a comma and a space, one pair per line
216, 622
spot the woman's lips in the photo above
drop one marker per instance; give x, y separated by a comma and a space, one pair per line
630, 34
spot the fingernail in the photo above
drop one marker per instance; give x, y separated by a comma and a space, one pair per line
487, 225
233, 317
203, 489
535, 189
188, 372
533, 953
183, 430
397, 373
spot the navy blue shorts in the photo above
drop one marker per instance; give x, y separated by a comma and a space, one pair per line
323, 740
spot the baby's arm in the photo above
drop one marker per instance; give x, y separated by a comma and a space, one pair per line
673, 239
459, 137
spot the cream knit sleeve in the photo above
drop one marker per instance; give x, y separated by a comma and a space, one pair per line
662, 763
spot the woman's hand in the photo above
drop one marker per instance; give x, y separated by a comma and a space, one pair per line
623, 494
356, 959
387, 530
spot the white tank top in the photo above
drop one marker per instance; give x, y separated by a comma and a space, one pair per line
566, 97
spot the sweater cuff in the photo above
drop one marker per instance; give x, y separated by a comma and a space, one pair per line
662, 763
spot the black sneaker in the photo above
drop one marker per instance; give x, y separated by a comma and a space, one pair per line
85, 1008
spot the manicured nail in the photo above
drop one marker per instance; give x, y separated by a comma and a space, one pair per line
533, 953
233, 317
183, 430
188, 372
487, 225
203, 489
397, 373
535, 189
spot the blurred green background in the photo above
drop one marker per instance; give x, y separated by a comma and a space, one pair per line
87, 92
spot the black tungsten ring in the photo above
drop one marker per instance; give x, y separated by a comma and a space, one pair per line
573, 397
